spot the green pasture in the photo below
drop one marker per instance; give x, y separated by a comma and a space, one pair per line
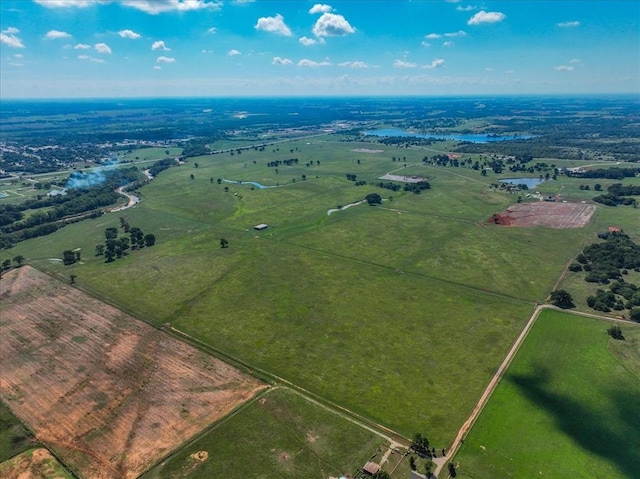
399, 312
567, 406
149, 153
14, 436
281, 435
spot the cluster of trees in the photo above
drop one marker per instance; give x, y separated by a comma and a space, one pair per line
116, 246
373, 199
616, 196
77, 204
161, 165
195, 148
351, 176
276, 163
607, 173
561, 299
420, 445
389, 186
607, 263
609, 259
6, 264
417, 188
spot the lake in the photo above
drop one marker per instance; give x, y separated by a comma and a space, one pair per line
470, 137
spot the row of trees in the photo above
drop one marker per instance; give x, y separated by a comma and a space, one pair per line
615, 195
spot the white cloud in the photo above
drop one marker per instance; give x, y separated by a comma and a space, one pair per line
281, 61
404, 64
356, 64
159, 45
438, 62
157, 67
9, 38
102, 48
466, 8
91, 59
273, 25
56, 34
489, 69
426, 44
160, 6
310, 63
432, 36
569, 24
332, 25
212, 30
306, 41
66, 3
459, 33
164, 59
320, 8
16, 64
233, 53
486, 17
18, 55
448, 44
564, 68
574, 61
129, 34
82, 46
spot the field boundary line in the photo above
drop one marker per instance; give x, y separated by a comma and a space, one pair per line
277, 381
484, 399
475, 413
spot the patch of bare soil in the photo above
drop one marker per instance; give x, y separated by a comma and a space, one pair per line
546, 214
35, 464
109, 393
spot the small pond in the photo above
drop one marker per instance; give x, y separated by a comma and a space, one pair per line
530, 182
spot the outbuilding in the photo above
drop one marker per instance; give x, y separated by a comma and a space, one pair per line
260, 227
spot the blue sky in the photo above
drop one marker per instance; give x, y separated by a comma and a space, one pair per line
143, 48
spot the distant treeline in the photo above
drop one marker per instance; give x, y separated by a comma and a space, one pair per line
161, 165
606, 173
14, 228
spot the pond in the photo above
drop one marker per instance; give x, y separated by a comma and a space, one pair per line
470, 137
530, 182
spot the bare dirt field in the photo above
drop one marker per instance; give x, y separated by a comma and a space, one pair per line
367, 150
34, 464
108, 393
547, 214
404, 179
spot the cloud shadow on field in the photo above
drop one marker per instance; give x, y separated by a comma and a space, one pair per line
613, 435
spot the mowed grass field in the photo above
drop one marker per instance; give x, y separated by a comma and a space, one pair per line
280, 435
567, 406
399, 312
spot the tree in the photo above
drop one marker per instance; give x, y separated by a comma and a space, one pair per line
452, 470
111, 233
615, 332
420, 444
18, 260
6, 264
72, 278
373, 199
412, 463
191, 176
68, 257
219, 180
99, 249
224, 243
562, 299
149, 239
634, 315
381, 475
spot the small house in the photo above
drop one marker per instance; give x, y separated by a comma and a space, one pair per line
371, 468
260, 227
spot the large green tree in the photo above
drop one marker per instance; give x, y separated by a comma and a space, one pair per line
561, 299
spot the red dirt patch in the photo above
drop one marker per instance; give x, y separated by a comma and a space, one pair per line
546, 214
108, 393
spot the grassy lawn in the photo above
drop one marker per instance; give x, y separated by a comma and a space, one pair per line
281, 435
567, 407
34, 463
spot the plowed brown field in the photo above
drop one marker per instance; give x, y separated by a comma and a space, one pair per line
109, 393
550, 215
